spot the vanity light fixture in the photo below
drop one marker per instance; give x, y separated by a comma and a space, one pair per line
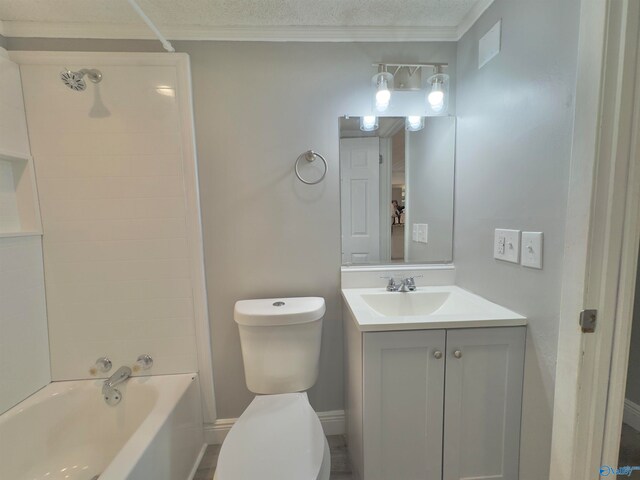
382, 83
438, 92
402, 79
368, 123
413, 123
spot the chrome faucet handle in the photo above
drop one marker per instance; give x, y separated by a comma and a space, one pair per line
102, 365
144, 362
392, 286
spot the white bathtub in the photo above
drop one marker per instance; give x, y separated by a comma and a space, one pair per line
67, 431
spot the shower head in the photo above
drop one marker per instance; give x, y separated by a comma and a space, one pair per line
75, 80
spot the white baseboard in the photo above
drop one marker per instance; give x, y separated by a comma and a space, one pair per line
631, 414
333, 423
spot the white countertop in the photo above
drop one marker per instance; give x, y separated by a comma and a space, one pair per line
453, 307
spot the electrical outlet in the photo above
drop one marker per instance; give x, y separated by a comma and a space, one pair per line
506, 245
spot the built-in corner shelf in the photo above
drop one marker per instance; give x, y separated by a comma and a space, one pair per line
19, 209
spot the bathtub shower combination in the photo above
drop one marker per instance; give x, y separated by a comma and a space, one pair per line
101, 210
67, 431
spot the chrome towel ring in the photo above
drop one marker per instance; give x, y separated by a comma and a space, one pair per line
310, 156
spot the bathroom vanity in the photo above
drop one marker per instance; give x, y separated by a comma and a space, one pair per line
433, 384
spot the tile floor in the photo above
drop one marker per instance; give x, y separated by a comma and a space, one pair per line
629, 450
340, 466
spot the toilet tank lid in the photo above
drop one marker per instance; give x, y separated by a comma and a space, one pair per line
279, 311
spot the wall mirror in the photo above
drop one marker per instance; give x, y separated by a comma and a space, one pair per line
396, 189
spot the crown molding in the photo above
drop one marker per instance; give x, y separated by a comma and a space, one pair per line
472, 16
313, 33
232, 33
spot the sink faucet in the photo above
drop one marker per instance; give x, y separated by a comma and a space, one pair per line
407, 284
109, 391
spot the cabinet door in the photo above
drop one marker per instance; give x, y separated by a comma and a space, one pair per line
403, 405
482, 403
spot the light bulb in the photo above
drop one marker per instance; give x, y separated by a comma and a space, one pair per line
368, 123
383, 96
414, 123
382, 83
437, 95
436, 98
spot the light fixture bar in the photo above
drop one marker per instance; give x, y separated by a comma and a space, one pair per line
410, 65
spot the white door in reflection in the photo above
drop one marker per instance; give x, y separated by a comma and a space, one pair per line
360, 194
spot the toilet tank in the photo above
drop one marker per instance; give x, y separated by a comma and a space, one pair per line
280, 339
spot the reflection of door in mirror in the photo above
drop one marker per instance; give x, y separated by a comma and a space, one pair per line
360, 193
397, 160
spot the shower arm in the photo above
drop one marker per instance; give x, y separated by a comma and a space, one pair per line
165, 43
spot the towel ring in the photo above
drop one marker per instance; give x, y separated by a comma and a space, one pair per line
310, 156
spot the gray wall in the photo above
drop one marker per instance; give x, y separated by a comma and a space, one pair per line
633, 373
257, 107
430, 161
513, 150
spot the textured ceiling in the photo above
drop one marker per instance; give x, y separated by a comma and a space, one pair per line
395, 13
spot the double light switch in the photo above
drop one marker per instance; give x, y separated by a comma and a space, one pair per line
420, 232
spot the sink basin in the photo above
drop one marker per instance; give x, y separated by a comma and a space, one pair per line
375, 309
414, 303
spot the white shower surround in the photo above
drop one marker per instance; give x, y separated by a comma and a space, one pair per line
41, 108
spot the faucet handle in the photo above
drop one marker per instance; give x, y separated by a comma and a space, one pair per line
391, 285
102, 365
144, 362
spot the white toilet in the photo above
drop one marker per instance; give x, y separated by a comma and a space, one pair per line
279, 436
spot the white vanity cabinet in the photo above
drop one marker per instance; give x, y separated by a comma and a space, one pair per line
403, 391
441, 404
482, 403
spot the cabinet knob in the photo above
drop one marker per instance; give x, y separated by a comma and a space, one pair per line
457, 354
437, 354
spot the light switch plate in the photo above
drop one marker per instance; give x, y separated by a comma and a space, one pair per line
489, 44
532, 249
506, 245
424, 232
420, 232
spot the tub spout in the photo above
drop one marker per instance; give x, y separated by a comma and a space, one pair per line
109, 391
121, 375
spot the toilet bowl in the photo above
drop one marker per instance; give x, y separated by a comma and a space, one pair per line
278, 436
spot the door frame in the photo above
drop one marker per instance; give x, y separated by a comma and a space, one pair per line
601, 243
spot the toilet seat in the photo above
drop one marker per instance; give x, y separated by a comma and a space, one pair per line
278, 437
